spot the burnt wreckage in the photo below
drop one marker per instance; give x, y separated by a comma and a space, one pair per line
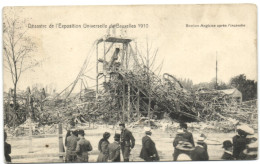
134, 90
127, 90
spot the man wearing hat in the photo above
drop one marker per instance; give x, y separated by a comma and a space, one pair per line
200, 153
7, 149
71, 143
251, 151
114, 149
83, 147
240, 141
127, 142
183, 142
227, 145
103, 148
148, 152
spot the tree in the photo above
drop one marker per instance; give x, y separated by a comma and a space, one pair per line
212, 85
17, 47
223, 86
247, 87
186, 83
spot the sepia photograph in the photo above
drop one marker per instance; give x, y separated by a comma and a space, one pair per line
129, 83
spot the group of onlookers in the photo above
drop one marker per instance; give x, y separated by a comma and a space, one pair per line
244, 146
185, 147
77, 146
110, 152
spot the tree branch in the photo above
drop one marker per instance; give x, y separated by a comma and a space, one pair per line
10, 65
21, 36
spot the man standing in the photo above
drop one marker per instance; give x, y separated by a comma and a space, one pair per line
227, 145
7, 149
103, 148
148, 152
183, 142
114, 149
187, 135
71, 144
127, 142
240, 141
83, 147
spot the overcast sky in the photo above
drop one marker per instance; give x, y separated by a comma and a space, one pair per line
188, 52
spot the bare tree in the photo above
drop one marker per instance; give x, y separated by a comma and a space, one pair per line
17, 47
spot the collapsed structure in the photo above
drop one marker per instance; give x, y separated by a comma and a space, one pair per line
127, 90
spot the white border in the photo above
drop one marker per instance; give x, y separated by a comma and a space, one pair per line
106, 2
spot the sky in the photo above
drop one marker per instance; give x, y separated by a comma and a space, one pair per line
187, 52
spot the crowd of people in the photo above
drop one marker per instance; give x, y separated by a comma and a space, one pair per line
77, 146
109, 152
242, 147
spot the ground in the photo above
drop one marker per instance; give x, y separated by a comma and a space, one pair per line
46, 148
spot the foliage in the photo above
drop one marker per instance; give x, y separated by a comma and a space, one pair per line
247, 87
17, 50
186, 83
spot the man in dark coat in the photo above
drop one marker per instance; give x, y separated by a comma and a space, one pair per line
240, 141
127, 142
200, 153
83, 147
114, 149
71, 146
66, 137
227, 145
7, 149
103, 148
187, 135
148, 152
183, 136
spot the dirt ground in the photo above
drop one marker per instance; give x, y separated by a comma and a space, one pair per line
46, 148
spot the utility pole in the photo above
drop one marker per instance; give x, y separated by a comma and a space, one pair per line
61, 147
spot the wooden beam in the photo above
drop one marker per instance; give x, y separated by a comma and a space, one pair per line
138, 104
128, 103
123, 95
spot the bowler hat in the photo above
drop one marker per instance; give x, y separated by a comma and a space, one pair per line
227, 144
183, 125
122, 124
106, 135
81, 132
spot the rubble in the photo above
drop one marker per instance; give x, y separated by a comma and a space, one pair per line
127, 95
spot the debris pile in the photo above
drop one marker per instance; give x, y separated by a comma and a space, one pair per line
129, 95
